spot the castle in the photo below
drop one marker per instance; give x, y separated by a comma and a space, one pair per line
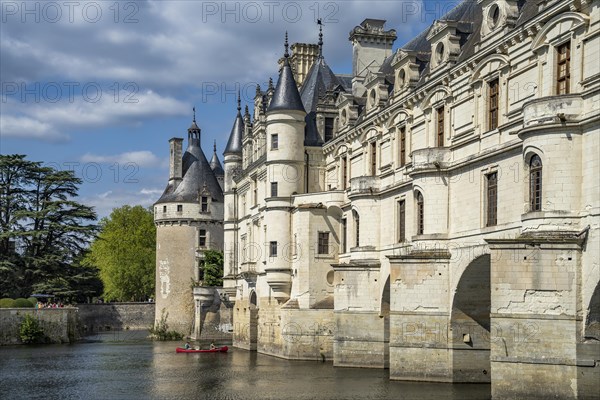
436, 212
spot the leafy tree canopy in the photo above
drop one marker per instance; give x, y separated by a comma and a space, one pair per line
213, 268
125, 253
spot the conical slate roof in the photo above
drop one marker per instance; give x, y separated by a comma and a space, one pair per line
198, 177
286, 96
234, 145
215, 164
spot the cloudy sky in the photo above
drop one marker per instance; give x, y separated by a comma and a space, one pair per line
101, 86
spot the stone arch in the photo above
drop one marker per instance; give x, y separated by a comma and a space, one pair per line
489, 64
469, 334
564, 22
252, 299
592, 323
402, 115
439, 93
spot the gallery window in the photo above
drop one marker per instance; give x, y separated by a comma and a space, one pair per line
323, 243
356, 228
344, 235
493, 104
344, 162
492, 199
401, 221
273, 189
420, 214
402, 146
535, 183
202, 238
563, 66
440, 126
373, 158
273, 249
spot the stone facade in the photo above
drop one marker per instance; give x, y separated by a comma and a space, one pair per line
445, 223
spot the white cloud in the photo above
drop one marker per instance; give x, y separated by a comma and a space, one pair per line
104, 203
142, 158
153, 192
29, 128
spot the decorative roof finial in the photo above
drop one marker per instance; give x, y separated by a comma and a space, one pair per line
239, 107
257, 89
286, 45
246, 112
215, 146
271, 87
194, 109
320, 23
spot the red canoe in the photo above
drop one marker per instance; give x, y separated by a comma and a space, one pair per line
217, 350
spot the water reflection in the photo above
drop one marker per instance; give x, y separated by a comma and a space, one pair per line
145, 370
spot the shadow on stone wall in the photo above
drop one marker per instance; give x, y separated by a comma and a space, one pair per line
59, 325
105, 317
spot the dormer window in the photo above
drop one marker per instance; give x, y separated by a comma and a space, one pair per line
401, 78
344, 117
204, 204
439, 53
493, 16
372, 98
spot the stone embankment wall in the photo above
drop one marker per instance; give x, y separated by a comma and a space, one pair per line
59, 324
115, 316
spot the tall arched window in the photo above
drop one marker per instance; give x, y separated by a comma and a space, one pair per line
253, 298
420, 214
535, 183
356, 227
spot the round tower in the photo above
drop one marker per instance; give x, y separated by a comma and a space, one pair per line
285, 175
233, 165
189, 220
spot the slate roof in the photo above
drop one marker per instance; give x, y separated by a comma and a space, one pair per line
215, 164
286, 96
234, 145
198, 177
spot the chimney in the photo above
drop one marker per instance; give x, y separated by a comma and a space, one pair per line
371, 45
175, 172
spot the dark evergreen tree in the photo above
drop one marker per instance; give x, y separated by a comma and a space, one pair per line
43, 230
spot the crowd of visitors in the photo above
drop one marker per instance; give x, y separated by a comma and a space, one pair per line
39, 304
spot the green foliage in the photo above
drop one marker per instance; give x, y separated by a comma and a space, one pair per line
23, 303
7, 303
212, 268
33, 300
43, 231
125, 254
30, 330
160, 330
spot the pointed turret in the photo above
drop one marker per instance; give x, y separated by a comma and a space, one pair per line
234, 145
215, 164
286, 96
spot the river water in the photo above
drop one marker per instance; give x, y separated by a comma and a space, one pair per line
126, 366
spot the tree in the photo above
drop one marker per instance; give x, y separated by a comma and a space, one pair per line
43, 230
213, 268
125, 253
